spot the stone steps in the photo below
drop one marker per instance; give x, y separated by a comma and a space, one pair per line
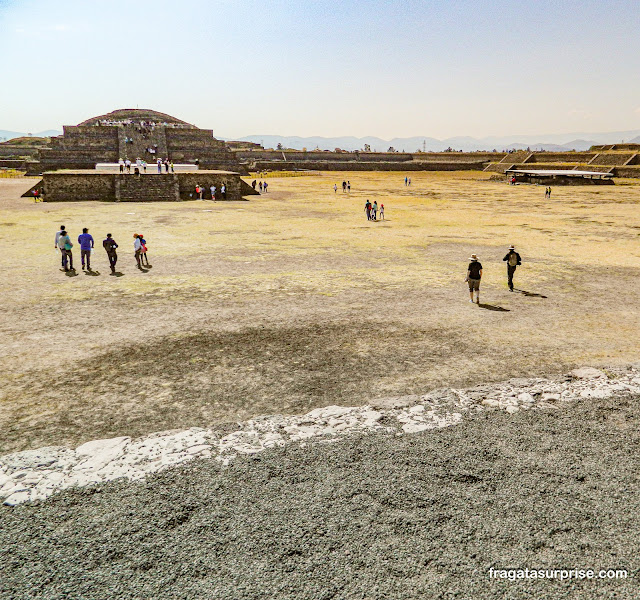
131, 188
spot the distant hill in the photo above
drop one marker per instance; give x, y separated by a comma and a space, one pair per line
552, 142
27, 141
9, 135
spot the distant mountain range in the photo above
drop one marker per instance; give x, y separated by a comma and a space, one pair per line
550, 142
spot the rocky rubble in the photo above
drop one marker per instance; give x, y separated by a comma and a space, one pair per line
37, 474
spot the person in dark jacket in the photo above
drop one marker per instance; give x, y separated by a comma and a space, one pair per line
512, 259
110, 246
474, 274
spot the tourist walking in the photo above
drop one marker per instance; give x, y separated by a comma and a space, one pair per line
382, 212
265, 186
344, 186
57, 247
173, 170
335, 188
65, 245
260, 186
159, 163
127, 165
223, 190
374, 211
143, 247
109, 244
253, 184
512, 258
474, 275
212, 189
549, 192
409, 182
348, 187
405, 181
121, 164
367, 209
137, 249
85, 239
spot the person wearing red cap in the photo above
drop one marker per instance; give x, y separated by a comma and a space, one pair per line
143, 247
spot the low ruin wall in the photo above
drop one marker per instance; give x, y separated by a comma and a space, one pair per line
61, 186
368, 166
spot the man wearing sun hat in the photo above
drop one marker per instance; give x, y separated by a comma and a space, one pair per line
512, 259
474, 274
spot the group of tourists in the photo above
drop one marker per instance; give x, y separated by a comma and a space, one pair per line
547, 192
262, 185
85, 239
373, 212
407, 181
474, 272
201, 192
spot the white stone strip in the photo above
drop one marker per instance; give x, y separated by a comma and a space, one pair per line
37, 474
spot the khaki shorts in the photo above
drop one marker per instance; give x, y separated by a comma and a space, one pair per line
474, 284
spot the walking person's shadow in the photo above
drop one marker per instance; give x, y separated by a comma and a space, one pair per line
494, 307
529, 294
92, 273
71, 273
117, 274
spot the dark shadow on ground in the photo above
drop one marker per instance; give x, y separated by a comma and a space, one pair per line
530, 294
92, 273
117, 274
71, 273
494, 307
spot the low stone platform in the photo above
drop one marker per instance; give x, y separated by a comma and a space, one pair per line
82, 185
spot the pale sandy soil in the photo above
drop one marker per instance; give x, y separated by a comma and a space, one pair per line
294, 300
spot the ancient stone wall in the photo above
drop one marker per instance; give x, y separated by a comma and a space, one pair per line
561, 157
70, 187
61, 186
368, 166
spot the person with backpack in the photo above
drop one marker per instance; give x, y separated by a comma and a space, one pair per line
367, 209
143, 247
110, 246
474, 275
512, 258
65, 245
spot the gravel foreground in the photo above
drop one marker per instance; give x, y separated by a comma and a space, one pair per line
375, 516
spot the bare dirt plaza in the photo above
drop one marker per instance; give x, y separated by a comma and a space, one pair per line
293, 300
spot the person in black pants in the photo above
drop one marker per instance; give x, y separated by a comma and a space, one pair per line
512, 259
110, 246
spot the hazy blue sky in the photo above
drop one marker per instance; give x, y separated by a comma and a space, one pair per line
397, 68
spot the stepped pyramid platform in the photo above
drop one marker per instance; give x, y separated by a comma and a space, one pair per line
82, 185
132, 134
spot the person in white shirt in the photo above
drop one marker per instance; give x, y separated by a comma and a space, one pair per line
213, 192
137, 247
58, 234
223, 191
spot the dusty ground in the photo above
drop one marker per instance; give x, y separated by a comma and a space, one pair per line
294, 300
